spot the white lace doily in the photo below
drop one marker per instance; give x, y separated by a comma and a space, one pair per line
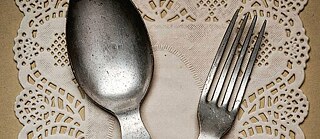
185, 35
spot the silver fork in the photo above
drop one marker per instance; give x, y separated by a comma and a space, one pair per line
216, 119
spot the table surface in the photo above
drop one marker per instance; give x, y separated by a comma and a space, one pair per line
10, 18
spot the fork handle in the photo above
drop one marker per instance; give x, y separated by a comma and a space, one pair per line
132, 126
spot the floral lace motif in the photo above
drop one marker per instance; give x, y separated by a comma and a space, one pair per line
51, 106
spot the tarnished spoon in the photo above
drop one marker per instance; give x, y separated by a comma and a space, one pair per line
110, 53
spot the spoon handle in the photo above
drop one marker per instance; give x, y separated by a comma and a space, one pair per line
132, 126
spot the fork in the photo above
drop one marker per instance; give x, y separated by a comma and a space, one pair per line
216, 112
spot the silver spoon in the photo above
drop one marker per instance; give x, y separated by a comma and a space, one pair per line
110, 53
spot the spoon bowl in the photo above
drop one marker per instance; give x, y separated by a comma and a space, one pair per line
110, 53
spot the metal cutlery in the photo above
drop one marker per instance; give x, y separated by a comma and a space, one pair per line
110, 53
217, 112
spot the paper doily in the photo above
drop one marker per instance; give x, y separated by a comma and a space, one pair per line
185, 31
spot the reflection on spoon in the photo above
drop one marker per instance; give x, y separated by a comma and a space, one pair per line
110, 53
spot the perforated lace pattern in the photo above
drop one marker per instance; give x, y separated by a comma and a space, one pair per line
51, 106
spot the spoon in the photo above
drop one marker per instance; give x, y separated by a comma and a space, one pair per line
110, 53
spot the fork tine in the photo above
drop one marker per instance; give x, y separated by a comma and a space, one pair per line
226, 66
218, 57
237, 68
249, 67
